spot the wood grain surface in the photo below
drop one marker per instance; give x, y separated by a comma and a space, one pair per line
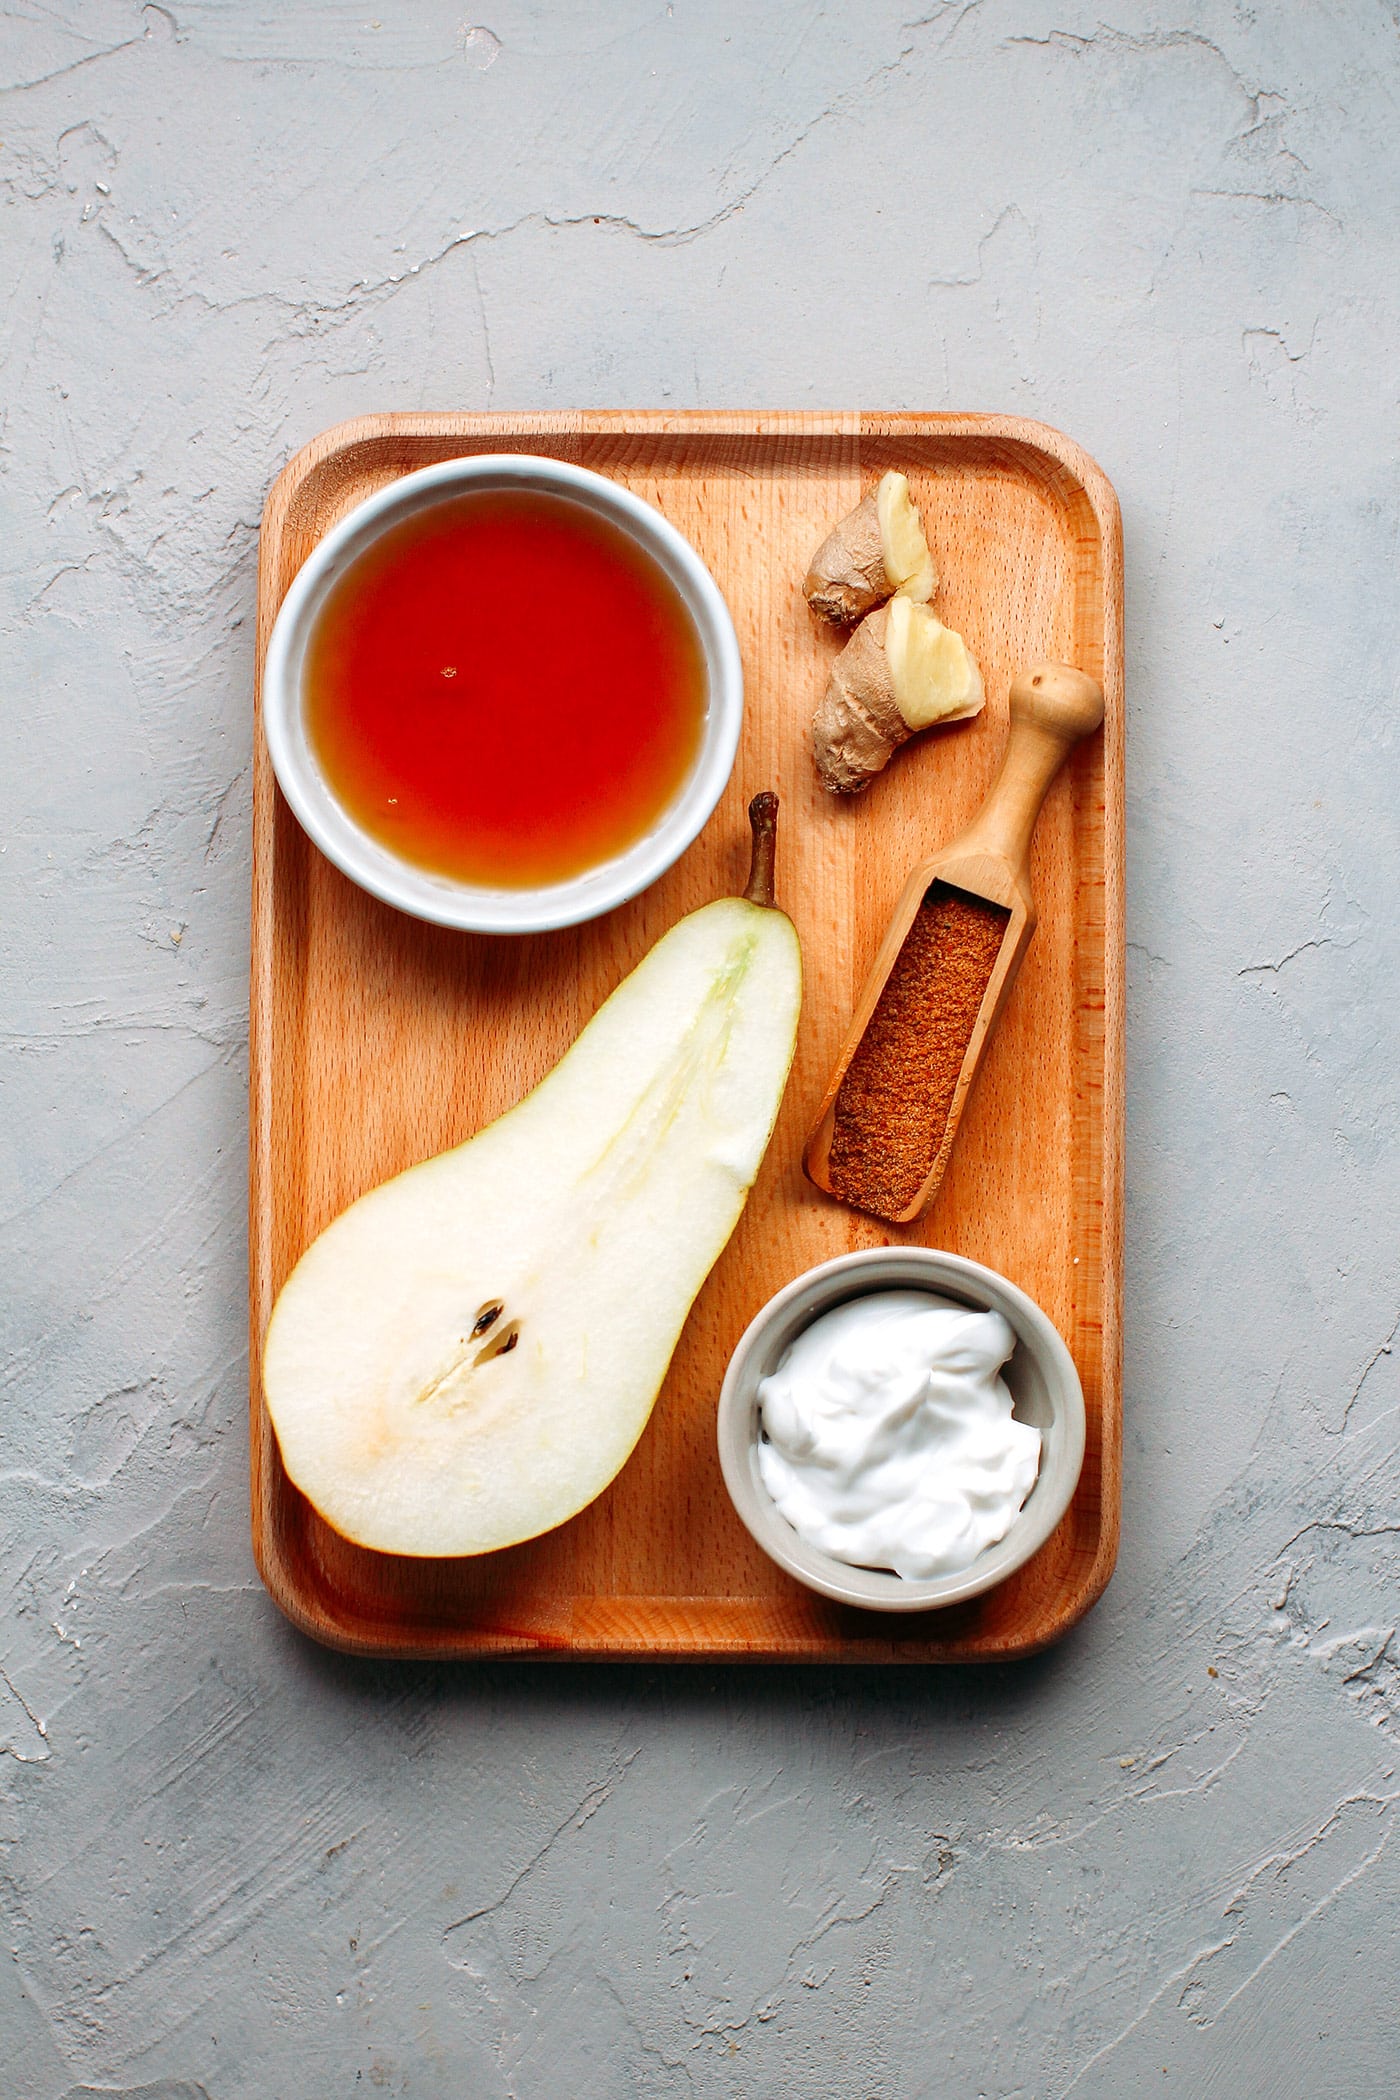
377, 1040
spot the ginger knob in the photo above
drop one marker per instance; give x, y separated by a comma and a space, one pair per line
877, 551
901, 671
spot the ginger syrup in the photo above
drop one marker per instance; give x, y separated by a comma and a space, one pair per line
504, 689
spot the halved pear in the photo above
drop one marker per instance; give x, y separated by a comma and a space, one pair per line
467, 1356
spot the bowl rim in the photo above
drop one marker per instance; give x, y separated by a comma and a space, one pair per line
440, 900
855, 1275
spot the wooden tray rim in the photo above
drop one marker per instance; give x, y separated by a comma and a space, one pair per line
1072, 470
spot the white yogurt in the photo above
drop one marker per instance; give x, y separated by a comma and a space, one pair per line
888, 1437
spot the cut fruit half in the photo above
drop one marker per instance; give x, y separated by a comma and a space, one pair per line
467, 1356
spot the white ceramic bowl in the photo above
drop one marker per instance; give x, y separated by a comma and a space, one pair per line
439, 897
1045, 1390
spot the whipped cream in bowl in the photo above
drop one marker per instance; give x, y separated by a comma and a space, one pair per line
901, 1428
888, 1438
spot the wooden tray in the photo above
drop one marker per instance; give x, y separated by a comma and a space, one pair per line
376, 1040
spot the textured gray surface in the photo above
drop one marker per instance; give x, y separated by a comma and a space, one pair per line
1160, 1859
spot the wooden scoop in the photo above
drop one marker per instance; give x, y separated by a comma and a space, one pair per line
988, 870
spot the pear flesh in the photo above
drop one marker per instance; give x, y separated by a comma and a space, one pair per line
466, 1357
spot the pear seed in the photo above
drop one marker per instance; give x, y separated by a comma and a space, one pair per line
500, 1345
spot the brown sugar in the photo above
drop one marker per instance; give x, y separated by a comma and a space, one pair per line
894, 1101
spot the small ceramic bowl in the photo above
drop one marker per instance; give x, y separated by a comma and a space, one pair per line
1044, 1387
438, 897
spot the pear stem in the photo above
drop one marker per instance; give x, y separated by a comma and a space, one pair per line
763, 816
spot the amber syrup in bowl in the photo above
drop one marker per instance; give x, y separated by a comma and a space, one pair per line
503, 694
505, 690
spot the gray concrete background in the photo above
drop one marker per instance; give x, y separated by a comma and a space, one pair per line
1161, 1859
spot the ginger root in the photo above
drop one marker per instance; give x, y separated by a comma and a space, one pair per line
879, 551
901, 671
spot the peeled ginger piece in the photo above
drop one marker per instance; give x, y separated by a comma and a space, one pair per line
908, 563
932, 670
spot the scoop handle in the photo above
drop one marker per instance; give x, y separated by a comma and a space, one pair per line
1052, 707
